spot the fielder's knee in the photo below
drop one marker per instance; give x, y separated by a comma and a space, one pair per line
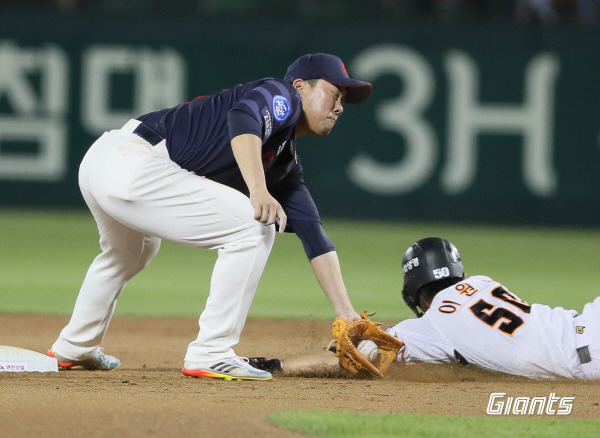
257, 235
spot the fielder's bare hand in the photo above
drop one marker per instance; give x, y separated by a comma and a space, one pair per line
267, 210
350, 316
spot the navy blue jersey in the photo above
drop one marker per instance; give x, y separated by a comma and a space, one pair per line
198, 136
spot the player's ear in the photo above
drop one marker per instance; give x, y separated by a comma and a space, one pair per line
298, 85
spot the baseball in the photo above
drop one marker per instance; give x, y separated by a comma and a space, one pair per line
368, 349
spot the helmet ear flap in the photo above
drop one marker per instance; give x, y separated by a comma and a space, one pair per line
412, 303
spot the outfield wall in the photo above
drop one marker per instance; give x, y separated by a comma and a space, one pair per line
485, 124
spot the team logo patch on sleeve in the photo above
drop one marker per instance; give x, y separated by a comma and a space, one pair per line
268, 123
281, 108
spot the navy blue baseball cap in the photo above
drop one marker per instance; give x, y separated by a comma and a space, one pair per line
331, 69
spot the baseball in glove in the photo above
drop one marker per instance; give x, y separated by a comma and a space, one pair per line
348, 335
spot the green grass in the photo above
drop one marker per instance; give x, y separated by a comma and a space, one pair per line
357, 425
44, 256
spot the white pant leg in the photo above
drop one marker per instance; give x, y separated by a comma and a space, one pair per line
137, 191
233, 284
125, 252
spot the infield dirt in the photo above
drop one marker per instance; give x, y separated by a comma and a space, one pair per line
148, 395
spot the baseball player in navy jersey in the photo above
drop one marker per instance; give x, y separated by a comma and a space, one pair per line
219, 172
478, 321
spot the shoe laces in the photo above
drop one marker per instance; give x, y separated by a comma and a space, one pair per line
244, 359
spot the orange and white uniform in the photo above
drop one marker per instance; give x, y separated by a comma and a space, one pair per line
480, 322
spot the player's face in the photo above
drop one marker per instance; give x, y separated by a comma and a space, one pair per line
322, 105
424, 304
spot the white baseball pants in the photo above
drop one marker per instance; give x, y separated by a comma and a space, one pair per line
138, 196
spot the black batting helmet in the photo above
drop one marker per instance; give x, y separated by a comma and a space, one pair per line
427, 261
